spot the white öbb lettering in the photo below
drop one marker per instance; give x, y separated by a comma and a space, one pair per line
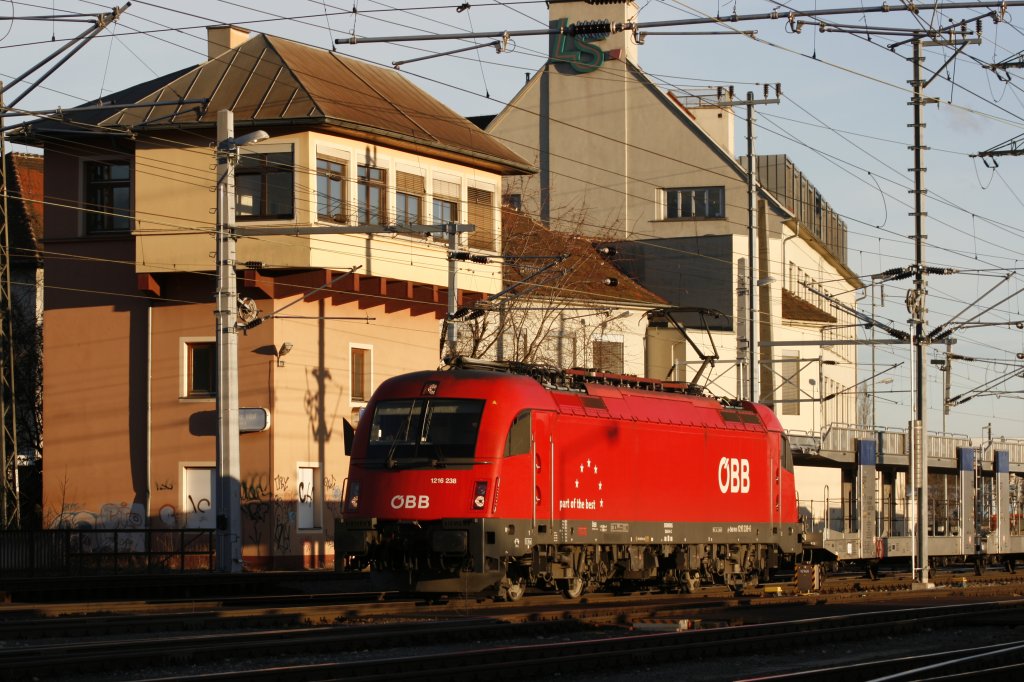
733, 475
410, 502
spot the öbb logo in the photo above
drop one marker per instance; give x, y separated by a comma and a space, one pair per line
410, 502
733, 475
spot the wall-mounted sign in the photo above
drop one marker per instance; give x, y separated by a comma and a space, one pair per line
253, 419
574, 45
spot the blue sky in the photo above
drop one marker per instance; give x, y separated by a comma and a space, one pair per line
843, 120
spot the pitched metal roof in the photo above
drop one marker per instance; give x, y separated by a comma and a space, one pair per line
270, 81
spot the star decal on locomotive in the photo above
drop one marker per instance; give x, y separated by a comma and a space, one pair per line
589, 480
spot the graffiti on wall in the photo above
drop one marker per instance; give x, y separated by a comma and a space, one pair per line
284, 517
255, 507
111, 516
332, 498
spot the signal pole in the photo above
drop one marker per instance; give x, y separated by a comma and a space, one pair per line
916, 298
752, 244
918, 312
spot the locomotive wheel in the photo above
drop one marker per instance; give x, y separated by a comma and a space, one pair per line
572, 588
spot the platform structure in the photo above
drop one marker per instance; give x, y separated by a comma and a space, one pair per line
866, 510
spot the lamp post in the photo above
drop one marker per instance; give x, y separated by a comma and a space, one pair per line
228, 492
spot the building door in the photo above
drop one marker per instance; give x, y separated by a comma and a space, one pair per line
543, 448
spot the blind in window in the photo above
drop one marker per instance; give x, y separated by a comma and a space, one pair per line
481, 214
409, 183
448, 190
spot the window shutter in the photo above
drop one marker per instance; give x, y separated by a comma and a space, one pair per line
789, 368
609, 356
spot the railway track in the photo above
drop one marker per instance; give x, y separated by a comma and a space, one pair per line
583, 657
596, 626
38, 621
980, 662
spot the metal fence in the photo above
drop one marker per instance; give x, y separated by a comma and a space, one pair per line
63, 551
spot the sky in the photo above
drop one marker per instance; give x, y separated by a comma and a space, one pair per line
844, 120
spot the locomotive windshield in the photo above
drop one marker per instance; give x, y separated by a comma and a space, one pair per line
414, 432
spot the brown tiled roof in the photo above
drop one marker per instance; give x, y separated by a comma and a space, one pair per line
270, 81
581, 275
25, 204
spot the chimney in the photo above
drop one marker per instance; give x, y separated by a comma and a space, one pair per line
220, 39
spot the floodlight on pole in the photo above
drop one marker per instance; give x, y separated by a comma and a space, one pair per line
227, 497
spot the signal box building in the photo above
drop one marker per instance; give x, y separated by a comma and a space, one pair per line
129, 326
656, 175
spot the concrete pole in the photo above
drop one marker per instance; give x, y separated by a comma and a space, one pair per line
752, 248
228, 503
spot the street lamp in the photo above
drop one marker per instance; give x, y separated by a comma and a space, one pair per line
228, 499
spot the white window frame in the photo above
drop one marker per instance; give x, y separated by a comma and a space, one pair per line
369, 380
664, 193
183, 368
186, 504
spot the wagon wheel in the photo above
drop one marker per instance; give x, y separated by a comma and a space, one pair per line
571, 588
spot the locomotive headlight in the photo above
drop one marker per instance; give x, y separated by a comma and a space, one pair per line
353, 496
480, 495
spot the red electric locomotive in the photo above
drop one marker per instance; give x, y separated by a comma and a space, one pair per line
497, 476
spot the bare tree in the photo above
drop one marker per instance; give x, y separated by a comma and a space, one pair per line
558, 299
28, 377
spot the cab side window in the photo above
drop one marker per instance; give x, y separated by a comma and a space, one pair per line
518, 441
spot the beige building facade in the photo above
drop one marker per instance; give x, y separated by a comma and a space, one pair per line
656, 174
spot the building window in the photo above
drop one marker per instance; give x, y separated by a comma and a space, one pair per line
481, 215
200, 497
308, 512
789, 372
108, 197
359, 369
409, 191
446, 202
695, 202
202, 369
263, 186
372, 195
446, 211
608, 356
330, 190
